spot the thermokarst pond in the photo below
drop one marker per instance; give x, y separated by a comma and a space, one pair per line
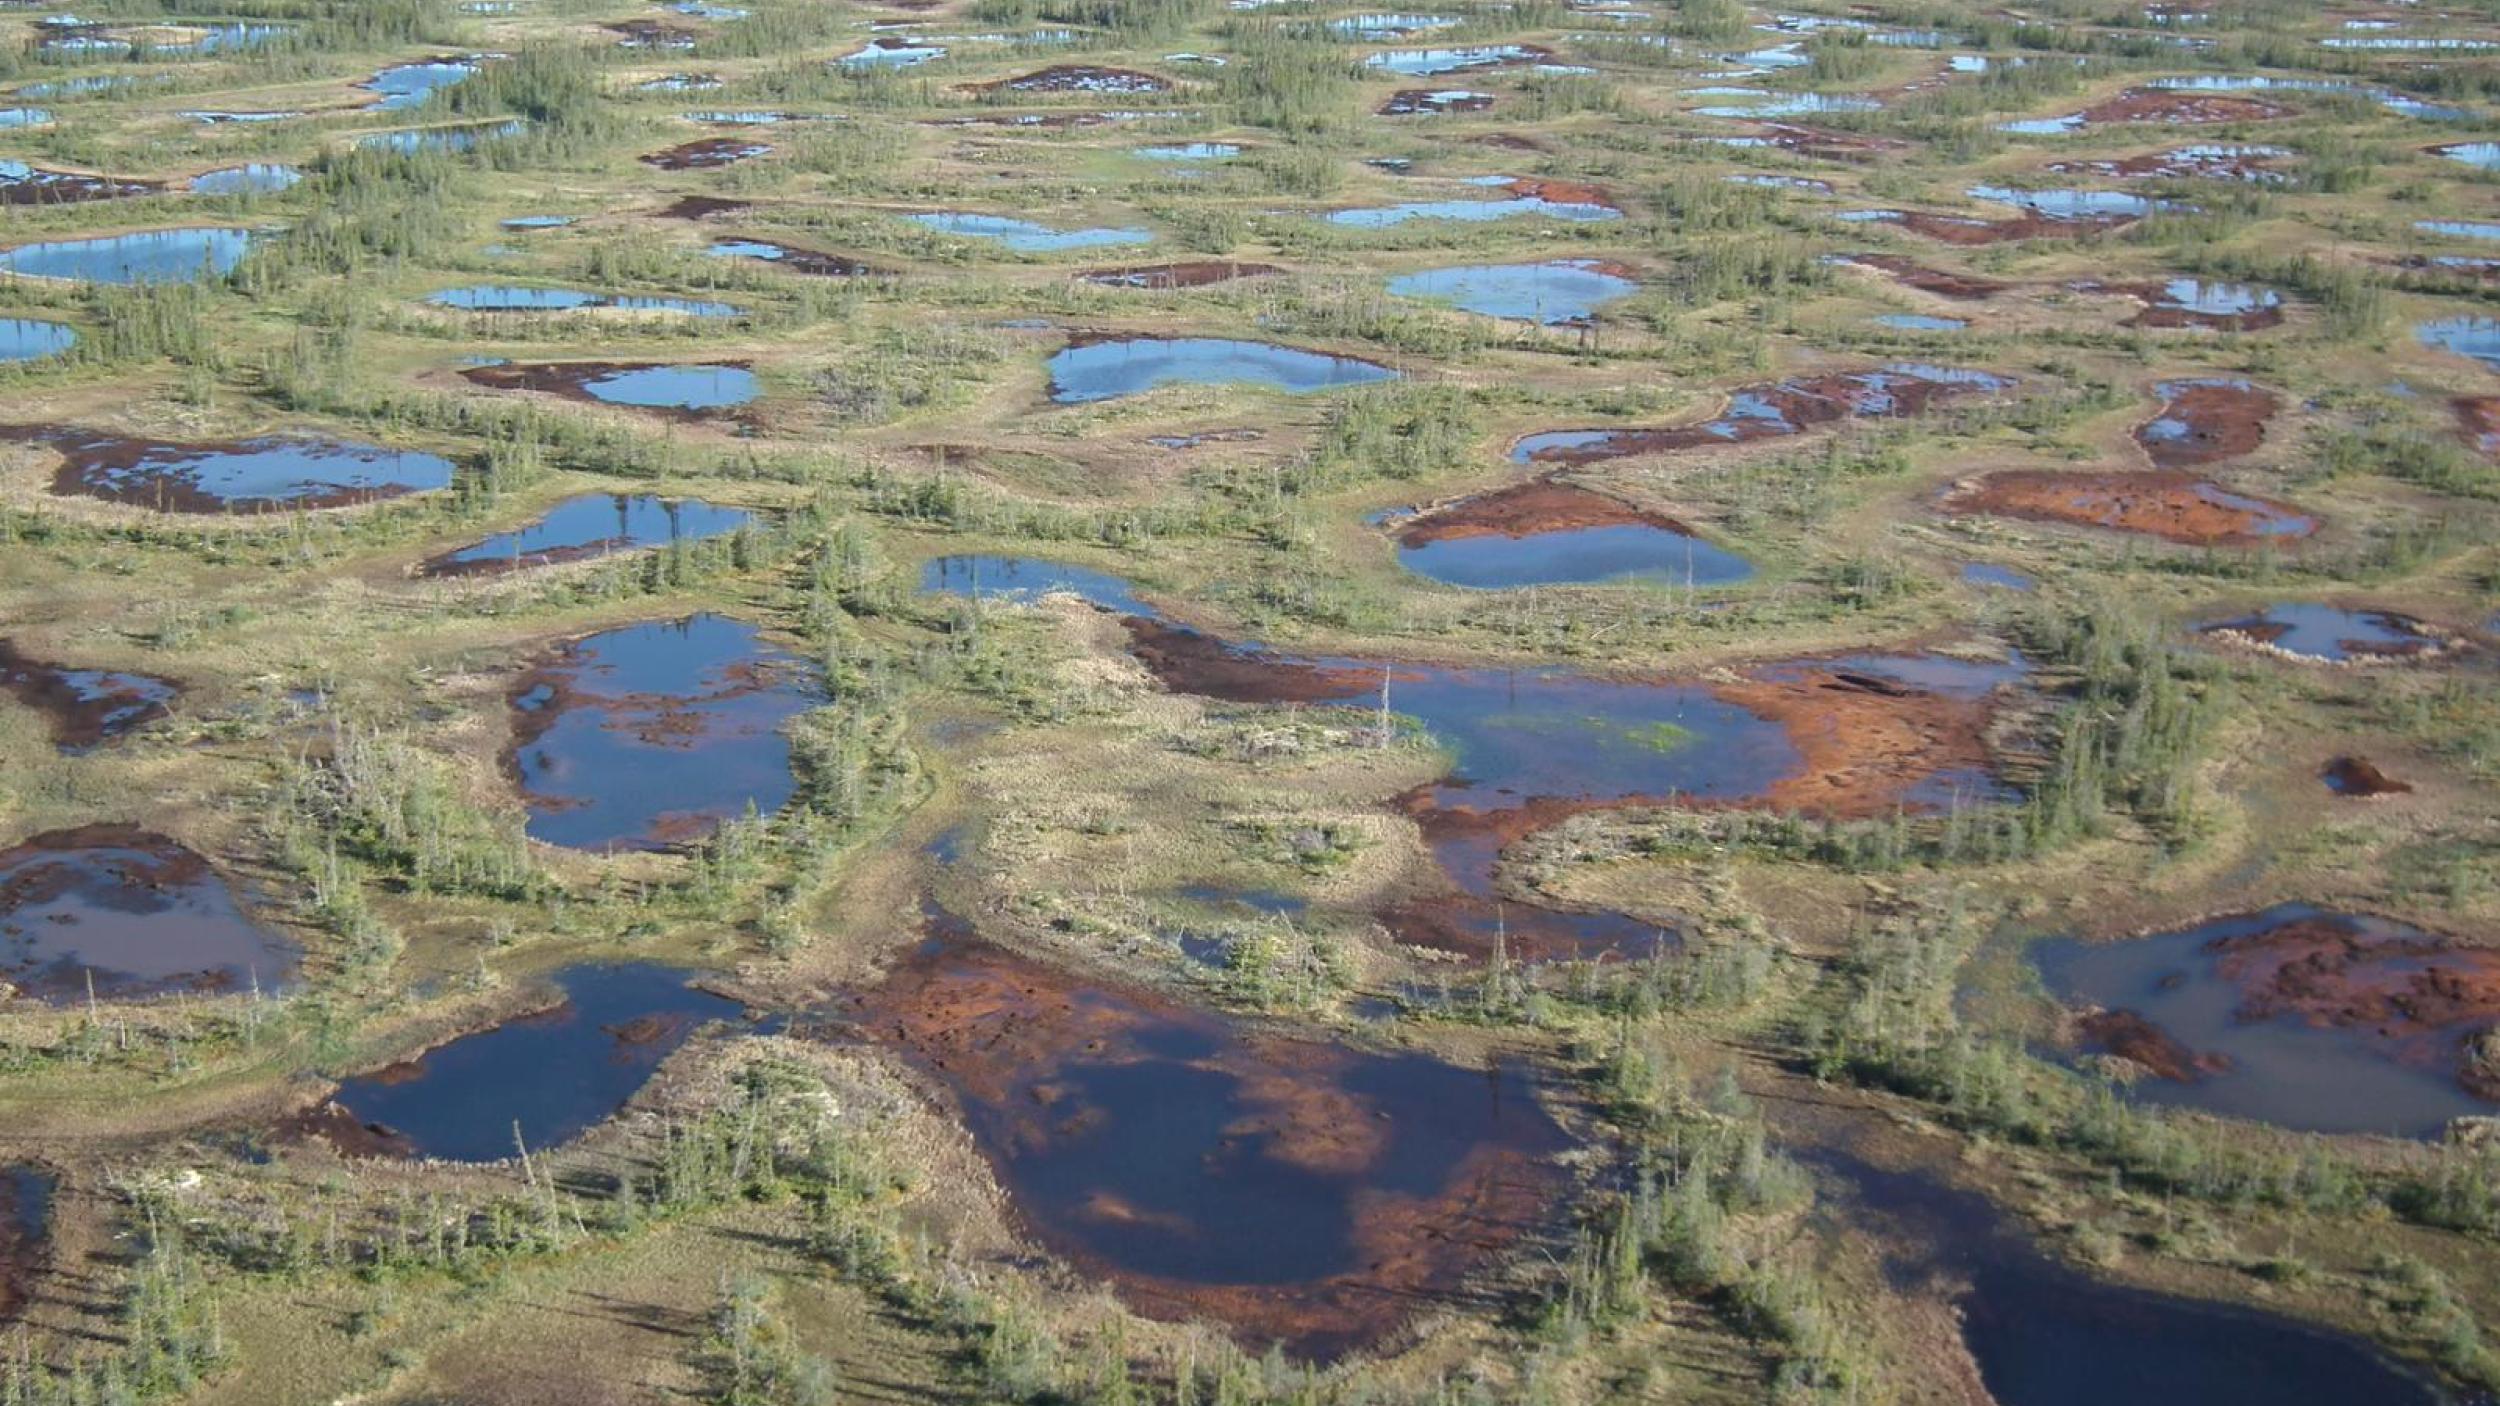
1559, 291
125, 913
150, 256
25, 1235
511, 297
592, 525
1274, 1184
2312, 1020
1103, 370
1530, 747
1549, 534
694, 390
31, 339
650, 736
2045, 1334
545, 1077
1024, 236
251, 178
408, 85
1574, 204
86, 708
255, 475
2329, 632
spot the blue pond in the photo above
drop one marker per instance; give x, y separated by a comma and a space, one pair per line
2476, 337
152, 256
1130, 365
1386, 26
269, 472
594, 524
1919, 322
555, 1072
1189, 151
1027, 578
2483, 154
438, 139
1980, 573
1788, 105
1024, 236
23, 117
674, 387
407, 85
1383, 216
1576, 556
650, 736
510, 297
1419, 63
2071, 204
1562, 290
2216, 299
2328, 632
252, 178
2460, 229
27, 339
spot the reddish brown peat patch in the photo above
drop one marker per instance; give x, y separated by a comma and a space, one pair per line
2129, 1036
2359, 777
2206, 421
1963, 287
2411, 992
2478, 419
2169, 504
1528, 509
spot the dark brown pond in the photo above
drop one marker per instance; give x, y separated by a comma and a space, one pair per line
1302, 1193
650, 736
2046, 1334
85, 707
127, 913
2320, 1021
254, 475
550, 1074
1531, 747
25, 1235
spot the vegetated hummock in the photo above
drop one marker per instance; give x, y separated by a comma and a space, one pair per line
788, 702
